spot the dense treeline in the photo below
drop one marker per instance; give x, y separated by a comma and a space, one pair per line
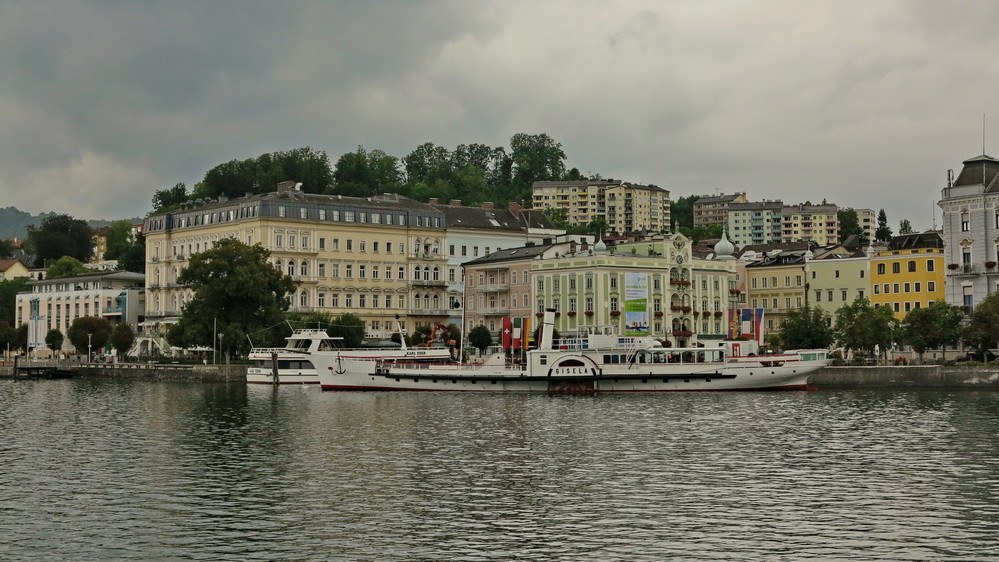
473, 173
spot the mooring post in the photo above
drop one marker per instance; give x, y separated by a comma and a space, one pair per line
274, 368
15, 366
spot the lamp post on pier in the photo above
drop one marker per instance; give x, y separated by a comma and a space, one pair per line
88, 348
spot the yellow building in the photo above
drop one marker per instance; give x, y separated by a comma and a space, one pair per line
778, 284
909, 274
626, 207
810, 223
12, 269
375, 257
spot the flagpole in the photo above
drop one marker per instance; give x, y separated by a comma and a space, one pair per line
461, 330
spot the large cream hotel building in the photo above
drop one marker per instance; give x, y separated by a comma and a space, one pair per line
378, 258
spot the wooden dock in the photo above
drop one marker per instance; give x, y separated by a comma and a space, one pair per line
21, 368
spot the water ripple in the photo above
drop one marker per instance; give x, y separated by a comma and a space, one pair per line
103, 469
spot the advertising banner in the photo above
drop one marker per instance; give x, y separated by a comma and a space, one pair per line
636, 304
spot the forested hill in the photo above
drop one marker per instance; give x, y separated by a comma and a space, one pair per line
14, 222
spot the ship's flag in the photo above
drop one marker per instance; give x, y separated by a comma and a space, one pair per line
507, 332
527, 333
746, 322
758, 320
517, 332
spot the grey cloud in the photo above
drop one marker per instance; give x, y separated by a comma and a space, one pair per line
866, 104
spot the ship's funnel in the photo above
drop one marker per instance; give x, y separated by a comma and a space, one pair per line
547, 329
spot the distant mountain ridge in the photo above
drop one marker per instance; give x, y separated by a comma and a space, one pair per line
14, 223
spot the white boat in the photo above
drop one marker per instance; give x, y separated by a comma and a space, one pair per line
293, 363
590, 364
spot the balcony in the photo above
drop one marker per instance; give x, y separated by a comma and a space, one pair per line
429, 312
964, 270
162, 314
493, 287
429, 283
494, 311
112, 311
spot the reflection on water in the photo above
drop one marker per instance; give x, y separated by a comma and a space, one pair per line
104, 469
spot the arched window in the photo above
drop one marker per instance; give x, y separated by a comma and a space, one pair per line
291, 267
304, 268
426, 274
912, 265
416, 273
278, 265
437, 274
303, 299
437, 301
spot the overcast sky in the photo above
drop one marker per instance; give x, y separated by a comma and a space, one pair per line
864, 103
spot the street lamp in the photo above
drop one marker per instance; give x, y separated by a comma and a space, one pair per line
88, 348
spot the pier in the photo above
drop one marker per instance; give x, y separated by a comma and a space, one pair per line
22, 368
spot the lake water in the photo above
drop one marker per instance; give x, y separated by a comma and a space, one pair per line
133, 469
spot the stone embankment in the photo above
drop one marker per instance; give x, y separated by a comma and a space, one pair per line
910, 376
149, 371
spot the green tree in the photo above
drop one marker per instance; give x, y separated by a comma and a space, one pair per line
66, 266
236, 292
133, 256
169, 199
883, 232
89, 333
350, 327
702, 232
9, 288
982, 331
682, 211
61, 235
54, 339
236, 178
6, 249
860, 326
904, 227
937, 325
559, 217
428, 163
122, 338
363, 173
849, 225
481, 338
806, 328
535, 158
20, 339
119, 238
7, 334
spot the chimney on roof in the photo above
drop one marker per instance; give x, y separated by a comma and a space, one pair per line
515, 208
488, 205
433, 201
283, 186
456, 202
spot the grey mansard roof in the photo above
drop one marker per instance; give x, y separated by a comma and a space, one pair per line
485, 218
980, 170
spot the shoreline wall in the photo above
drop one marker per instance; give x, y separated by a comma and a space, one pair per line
910, 376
